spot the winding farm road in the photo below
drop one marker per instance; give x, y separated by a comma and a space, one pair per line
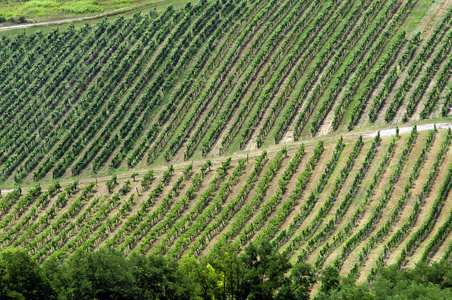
27, 25
65, 21
242, 154
389, 132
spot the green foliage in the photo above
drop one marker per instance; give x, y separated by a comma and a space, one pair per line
97, 275
260, 273
167, 175
222, 171
21, 277
301, 278
188, 170
71, 188
147, 179
330, 279
423, 282
54, 188
134, 175
126, 188
111, 183
83, 6
160, 278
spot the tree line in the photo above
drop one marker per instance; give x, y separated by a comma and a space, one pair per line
260, 272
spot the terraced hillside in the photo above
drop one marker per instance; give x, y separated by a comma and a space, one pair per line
358, 204
216, 78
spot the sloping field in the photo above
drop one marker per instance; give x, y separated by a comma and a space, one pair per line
358, 204
216, 78
290, 90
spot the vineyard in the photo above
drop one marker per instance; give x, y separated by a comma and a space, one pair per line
283, 88
213, 79
357, 204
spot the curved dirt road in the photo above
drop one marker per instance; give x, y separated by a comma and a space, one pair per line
389, 132
217, 160
27, 25
65, 21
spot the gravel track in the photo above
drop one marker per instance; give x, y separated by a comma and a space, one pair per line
65, 21
389, 132
242, 154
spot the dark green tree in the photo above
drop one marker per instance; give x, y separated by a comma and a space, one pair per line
161, 278
231, 270
206, 280
21, 277
299, 284
265, 270
348, 292
330, 279
97, 275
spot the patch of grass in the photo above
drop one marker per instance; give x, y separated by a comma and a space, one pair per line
50, 10
418, 14
40, 3
82, 7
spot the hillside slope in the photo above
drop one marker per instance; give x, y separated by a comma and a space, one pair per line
216, 78
358, 204
294, 92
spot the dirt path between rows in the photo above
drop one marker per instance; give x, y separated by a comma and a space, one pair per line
389, 132
291, 147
